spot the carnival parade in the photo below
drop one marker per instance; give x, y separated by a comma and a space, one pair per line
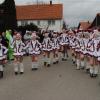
49, 50
83, 47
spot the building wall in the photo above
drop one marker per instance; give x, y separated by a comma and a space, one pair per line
44, 24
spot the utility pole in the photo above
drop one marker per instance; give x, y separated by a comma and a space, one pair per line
37, 2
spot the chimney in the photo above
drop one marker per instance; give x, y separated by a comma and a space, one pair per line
50, 2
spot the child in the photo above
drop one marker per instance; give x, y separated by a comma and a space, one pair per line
77, 51
34, 50
72, 46
18, 47
95, 54
98, 53
55, 47
47, 48
85, 52
64, 42
92, 44
82, 51
3, 52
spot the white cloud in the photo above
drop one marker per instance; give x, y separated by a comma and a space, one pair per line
74, 10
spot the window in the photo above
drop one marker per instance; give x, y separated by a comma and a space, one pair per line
51, 22
38, 22
24, 23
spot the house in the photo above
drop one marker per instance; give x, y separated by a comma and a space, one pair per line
84, 25
45, 16
96, 21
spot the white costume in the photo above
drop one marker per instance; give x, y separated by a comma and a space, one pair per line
90, 47
55, 47
34, 47
77, 50
47, 47
72, 42
64, 42
64, 39
3, 52
47, 44
77, 45
55, 43
34, 50
98, 51
18, 47
92, 51
72, 47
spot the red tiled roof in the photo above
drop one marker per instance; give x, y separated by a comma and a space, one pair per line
39, 12
84, 25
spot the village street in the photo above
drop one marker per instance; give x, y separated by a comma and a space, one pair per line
59, 82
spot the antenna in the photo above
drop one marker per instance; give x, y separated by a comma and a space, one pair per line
37, 1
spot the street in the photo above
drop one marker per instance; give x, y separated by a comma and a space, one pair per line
59, 82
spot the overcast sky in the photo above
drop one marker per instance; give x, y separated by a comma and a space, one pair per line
74, 10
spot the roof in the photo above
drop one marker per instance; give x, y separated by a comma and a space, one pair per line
98, 14
84, 25
96, 21
39, 12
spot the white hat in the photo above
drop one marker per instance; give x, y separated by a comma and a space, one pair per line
27, 31
55, 31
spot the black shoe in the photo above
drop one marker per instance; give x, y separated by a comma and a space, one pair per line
16, 73
45, 63
95, 75
87, 70
21, 73
1, 74
33, 69
77, 68
48, 65
82, 68
73, 62
91, 75
54, 62
63, 59
27, 54
57, 62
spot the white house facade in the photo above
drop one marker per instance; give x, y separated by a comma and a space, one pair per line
43, 24
44, 16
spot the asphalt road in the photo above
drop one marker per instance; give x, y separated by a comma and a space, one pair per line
59, 82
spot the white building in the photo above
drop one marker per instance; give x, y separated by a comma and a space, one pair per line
43, 15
